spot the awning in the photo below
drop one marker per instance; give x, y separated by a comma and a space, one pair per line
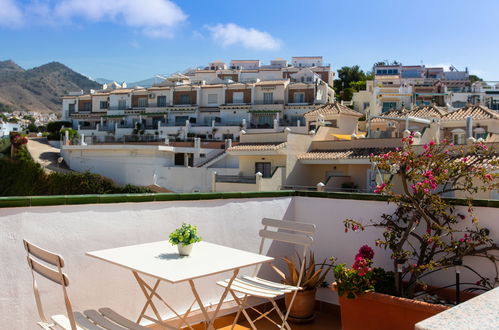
346, 136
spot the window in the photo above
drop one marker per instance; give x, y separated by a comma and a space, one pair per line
264, 168
142, 102
87, 106
71, 107
387, 106
480, 133
309, 79
238, 97
121, 104
161, 101
299, 97
366, 105
180, 120
104, 104
458, 136
268, 98
458, 104
185, 99
212, 99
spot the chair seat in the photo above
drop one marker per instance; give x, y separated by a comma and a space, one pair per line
258, 287
104, 319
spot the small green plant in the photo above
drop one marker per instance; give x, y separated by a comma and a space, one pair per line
185, 235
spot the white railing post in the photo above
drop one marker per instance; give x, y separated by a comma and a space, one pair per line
258, 177
214, 181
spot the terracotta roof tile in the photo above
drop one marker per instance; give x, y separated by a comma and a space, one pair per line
423, 111
271, 82
258, 146
475, 111
356, 153
333, 108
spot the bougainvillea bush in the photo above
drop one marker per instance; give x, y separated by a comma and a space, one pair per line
362, 277
428, 232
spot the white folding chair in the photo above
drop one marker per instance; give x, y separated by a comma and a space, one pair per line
296, 233
91, 319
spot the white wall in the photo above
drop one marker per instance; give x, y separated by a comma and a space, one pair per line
331, 240
74, 230
143, 167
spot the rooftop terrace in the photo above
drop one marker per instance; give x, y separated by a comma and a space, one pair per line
74, 225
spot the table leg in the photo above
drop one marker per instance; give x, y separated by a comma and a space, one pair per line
210, 321
149, 293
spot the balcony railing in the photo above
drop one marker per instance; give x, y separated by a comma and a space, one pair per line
269, 102
236, 179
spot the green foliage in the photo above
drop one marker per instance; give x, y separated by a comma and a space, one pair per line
4, 146
5, 108
350, 80
32, 128
312, 277
55, 126
350, 283
24, 177
358, 85
185, 235
13, 120
427, 233
474, 78
387, 62
361, 277
71, 132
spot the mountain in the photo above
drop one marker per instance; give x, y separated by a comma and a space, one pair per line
41, 88
146, 82
103, 81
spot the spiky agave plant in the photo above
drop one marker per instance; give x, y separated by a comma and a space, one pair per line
313, 274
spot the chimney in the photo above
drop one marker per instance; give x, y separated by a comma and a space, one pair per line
469, 127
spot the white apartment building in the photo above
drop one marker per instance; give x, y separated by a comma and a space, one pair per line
396, 86
214, 102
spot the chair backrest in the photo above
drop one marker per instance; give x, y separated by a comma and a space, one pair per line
297, 233
56, 275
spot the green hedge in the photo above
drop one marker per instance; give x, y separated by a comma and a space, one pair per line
24, 177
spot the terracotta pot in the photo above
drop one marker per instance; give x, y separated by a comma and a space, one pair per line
303, 305
375, 311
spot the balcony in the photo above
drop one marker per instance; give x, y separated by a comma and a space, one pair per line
268, 102
229, 219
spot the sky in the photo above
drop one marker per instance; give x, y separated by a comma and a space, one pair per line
130, 40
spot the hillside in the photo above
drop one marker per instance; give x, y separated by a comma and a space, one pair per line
41, 88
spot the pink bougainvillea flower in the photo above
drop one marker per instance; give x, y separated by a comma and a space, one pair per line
365, 252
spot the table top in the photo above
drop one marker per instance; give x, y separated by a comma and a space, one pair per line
161, 260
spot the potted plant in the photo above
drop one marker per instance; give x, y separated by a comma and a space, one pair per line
184, 237
303, 306
426, 233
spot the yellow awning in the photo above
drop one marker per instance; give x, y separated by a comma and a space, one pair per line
346, 136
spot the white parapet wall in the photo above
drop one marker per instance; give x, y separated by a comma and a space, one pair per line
72, 230
143, 166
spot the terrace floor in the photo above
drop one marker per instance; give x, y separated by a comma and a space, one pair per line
325, 319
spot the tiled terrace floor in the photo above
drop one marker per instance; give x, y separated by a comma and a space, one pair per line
325, 320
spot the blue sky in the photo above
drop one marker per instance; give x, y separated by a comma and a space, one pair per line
130, 40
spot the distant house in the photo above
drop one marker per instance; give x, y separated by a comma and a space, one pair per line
6, 128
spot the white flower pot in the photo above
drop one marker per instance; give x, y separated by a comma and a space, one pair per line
184, 250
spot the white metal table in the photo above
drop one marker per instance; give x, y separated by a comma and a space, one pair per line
161, 261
